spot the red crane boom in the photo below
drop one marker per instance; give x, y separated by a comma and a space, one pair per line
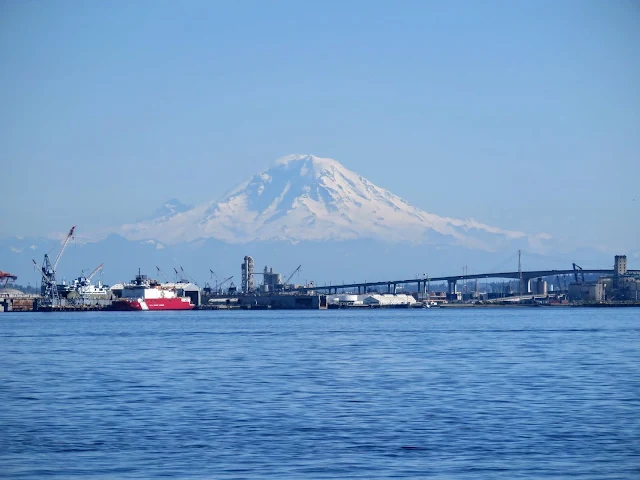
5, 277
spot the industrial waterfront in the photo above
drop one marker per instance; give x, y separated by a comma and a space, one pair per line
269, 289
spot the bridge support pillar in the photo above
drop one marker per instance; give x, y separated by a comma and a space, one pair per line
451, 290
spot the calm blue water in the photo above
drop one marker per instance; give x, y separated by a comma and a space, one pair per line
451, 394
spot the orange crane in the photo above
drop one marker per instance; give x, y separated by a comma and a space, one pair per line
6, 276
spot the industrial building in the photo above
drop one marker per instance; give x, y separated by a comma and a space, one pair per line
587, 291
248, 275
622, 287
271, 281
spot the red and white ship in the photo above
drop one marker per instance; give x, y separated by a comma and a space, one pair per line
147, 294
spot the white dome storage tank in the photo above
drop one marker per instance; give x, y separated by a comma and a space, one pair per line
347, 298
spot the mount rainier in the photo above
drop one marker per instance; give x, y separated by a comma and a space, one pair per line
302, 210
307, 198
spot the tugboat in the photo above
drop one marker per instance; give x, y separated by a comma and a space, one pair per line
144, 293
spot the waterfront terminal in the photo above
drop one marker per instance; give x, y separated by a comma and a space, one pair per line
616, 287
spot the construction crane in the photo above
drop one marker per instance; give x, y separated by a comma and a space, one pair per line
221, 284
83, 283
186, 276
64, 245
213, 275
6, 276
92, 274
579, 276
50, 296
292, 274
161, 272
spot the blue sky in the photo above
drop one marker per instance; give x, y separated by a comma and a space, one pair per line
522, 114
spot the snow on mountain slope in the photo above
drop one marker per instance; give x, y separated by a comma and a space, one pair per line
168, 209
307, 198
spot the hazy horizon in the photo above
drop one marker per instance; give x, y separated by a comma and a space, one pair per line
522, 115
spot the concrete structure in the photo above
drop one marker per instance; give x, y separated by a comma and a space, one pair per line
620, 266
628, 288
248, 277
438, 297
587, 291
13, 300
271, 281
16, 304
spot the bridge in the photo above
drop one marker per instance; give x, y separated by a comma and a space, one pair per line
527, 276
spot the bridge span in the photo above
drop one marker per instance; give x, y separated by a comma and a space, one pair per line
527, 276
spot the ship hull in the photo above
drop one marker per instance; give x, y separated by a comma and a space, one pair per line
151, 304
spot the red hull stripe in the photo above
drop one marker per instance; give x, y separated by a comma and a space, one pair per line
153, 304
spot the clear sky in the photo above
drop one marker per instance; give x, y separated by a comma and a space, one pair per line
522, 114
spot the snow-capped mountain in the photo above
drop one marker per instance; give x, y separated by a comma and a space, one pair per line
307, 198
302, 210
169, 209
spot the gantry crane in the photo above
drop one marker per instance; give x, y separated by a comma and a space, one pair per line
50, 297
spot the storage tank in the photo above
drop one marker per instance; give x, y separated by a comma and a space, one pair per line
347, 298
540, 287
